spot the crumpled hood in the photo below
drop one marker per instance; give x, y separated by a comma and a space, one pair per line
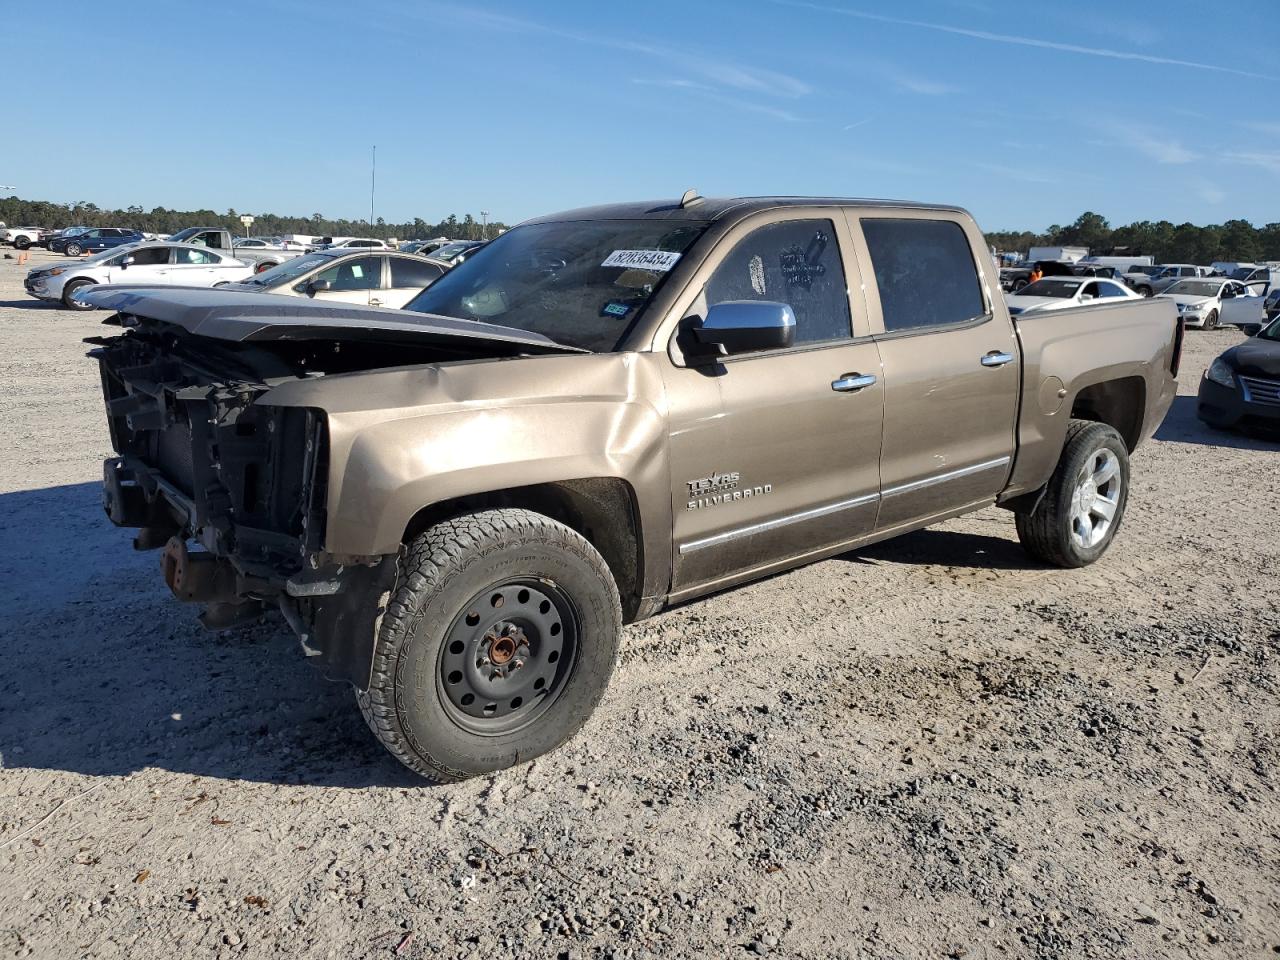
262, 317
1255, 357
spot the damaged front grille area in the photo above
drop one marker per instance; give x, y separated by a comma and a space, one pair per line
200, 459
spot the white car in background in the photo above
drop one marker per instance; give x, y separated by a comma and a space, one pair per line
1201, 302
373, 278
269, 243
1061, 293
179, 264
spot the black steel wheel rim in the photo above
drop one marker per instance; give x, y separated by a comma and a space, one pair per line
508, 655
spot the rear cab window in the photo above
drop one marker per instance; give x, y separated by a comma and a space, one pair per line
925, 273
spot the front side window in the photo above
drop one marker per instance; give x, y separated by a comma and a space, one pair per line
362, 273
413, 273
150, 256
797, 263
1110, 290
926, 274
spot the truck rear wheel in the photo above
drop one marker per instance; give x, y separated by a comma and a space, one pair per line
497, 644
22, 242
1083, 504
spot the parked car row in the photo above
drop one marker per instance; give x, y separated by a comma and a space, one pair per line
382, 278
177, 264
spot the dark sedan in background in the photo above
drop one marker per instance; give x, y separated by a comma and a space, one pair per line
94, 241
1242, 386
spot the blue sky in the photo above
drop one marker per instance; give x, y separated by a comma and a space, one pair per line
1027, 118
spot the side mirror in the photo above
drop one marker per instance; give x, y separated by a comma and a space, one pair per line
317, 286
126, 262
1086, 296
743, 326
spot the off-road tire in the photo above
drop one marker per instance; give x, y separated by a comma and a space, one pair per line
73, 249
1045, 532
1019, 284
1211, 320
69, 291
22, 243
1144, 291
440, 573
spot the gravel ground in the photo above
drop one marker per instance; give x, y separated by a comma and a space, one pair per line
928, 748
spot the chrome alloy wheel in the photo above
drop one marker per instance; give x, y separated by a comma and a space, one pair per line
1095, 499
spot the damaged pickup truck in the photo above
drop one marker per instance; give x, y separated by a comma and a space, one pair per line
458, 505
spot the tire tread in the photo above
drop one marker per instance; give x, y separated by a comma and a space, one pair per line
425, 565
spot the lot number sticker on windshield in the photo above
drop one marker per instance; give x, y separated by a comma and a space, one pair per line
659, 260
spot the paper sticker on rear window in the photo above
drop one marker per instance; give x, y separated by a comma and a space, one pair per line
658, 260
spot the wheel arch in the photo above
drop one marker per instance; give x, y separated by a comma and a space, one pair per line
1120, 403
604, 510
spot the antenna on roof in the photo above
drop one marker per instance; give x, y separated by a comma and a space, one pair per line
690, 198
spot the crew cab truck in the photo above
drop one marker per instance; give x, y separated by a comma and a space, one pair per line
22, 238
217, 238
458, 505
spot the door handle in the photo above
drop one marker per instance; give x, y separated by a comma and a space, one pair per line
996, 359
375, 302
852, 382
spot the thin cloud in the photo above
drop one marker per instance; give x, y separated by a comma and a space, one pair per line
1023, 41
1015, 173
723, 73
706, 92
1208, 192
856, 124
1151, 145
1267, 160
1270, 128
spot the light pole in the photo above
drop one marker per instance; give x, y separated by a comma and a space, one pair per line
484, 224
373, 184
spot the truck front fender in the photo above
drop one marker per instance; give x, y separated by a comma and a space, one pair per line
404, 439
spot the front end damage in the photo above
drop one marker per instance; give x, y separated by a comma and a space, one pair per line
228, 478
232, 492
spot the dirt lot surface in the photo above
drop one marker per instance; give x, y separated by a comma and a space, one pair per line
929, 748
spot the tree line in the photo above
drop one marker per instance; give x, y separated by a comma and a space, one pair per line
43, 213
1235, 240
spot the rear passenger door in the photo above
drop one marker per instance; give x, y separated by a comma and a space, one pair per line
775, 454
951, 367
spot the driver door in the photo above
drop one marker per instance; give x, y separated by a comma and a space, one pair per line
775, 455
150, 265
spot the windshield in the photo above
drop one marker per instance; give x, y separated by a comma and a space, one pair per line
1050, 288
1271, 331
288, 271
1147, 271
581, 283
1194, 288
1241, 273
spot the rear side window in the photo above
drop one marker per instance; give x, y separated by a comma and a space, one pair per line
796, 263
925, 272
413, 273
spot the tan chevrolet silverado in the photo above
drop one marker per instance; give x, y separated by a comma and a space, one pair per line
458, 505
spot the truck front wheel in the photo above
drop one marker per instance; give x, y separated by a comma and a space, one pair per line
1083, 504
497, 644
